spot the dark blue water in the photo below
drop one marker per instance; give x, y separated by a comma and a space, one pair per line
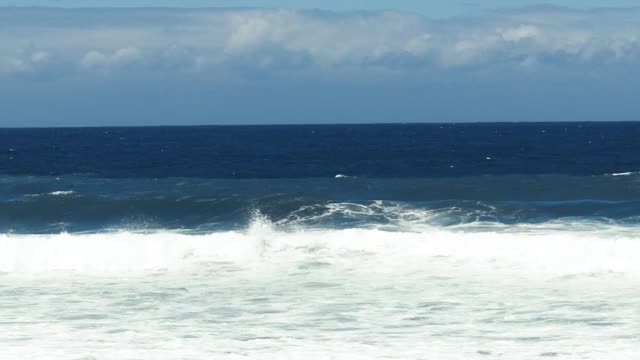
389, 151
208, 178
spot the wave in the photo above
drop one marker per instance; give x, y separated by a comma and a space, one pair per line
554, 248
62, 192
81, 211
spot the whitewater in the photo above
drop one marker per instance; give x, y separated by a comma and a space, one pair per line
481, 291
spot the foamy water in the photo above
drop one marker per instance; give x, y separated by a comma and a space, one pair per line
523, 292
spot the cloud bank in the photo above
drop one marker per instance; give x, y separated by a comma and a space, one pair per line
205, 66
262, 40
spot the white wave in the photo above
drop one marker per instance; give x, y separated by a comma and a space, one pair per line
122, 251
625, 173
62, 193
432, 293
529, 249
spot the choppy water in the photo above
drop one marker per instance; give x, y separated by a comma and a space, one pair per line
503, 258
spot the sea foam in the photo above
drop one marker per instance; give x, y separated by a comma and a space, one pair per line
526, 248
62, 192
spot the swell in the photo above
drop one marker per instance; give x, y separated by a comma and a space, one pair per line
342, 188
304, 151
72, 204
77, 213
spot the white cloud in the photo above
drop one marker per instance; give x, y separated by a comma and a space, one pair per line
126, 56
40, 58
522, 32
10, 64
263, 40
95, 59
22, 62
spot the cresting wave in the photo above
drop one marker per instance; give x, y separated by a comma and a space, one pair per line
553, 249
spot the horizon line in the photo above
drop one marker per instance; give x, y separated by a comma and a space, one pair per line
327, 124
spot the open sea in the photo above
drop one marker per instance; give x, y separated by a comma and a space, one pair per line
407, 241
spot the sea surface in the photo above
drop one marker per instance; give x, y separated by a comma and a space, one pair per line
407, 241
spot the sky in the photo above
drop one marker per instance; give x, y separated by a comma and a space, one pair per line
119, 63
430, 8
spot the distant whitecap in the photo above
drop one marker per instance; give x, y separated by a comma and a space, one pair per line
62, 193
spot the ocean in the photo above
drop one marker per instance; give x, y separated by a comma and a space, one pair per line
404, 241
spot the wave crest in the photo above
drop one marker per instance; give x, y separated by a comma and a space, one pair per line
559, 249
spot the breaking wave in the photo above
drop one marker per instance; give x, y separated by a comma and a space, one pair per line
560, 248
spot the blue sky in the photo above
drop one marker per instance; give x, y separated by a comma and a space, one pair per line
281, 62
431, 8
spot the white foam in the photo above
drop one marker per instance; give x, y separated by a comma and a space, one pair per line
122, 251
436, 293
62, 193
532, 249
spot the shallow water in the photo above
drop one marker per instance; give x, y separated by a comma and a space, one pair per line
339, 294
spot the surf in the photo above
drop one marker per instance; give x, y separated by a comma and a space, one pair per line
570, 248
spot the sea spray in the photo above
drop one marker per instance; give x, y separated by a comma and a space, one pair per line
261, 230
532, 249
